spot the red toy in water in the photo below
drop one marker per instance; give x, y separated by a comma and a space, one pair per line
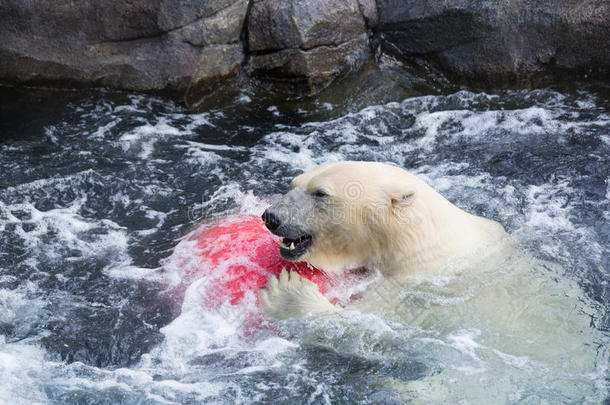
239, 254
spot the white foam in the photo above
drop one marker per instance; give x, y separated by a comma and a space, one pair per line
319, 394
274, 346
548, 209
101, 131
292, 149
197, 121
207, 146
21, 308
273, 109
465, 342
244, 99
50, 134
22, 369
170, 372
67, 226
145, 136
514, 361
470, 370
129, 271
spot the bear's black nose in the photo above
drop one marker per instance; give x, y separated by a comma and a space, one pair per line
271, 221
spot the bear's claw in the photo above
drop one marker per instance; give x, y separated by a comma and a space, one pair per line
291, 295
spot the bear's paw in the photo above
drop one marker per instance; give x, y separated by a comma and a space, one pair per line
292, 296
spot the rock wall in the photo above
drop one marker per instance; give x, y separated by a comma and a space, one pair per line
188, 45
482, 40
311, 41
135, 45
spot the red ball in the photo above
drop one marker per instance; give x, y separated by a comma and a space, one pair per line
238, 255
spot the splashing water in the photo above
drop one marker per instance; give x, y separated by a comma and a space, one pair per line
98, 190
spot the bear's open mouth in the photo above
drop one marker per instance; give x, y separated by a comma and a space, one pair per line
293, 248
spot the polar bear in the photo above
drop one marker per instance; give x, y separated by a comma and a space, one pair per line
496, 321
346, 215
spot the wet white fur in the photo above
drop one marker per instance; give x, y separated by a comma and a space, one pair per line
456, 275
291, 295
388, 219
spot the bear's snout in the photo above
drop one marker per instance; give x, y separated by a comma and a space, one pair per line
272, 222
295, 241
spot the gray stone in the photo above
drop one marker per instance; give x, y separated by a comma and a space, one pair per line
135, 45
224, 27
178, 13
271, 26
217, 63
276, 24
312, 67
368, 9
306, 41
481, 40
180, 44
84, 20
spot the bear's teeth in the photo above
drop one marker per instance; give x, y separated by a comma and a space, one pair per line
292, 246
282, 244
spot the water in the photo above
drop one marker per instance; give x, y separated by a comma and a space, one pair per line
97, 189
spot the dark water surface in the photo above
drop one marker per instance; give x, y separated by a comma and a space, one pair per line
96, 188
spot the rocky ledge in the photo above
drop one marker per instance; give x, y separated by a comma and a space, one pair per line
190, 45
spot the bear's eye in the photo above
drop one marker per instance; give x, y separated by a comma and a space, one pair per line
319, 193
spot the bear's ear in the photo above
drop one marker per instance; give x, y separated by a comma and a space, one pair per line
402, 197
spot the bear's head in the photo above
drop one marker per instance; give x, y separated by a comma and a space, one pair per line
346, 214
